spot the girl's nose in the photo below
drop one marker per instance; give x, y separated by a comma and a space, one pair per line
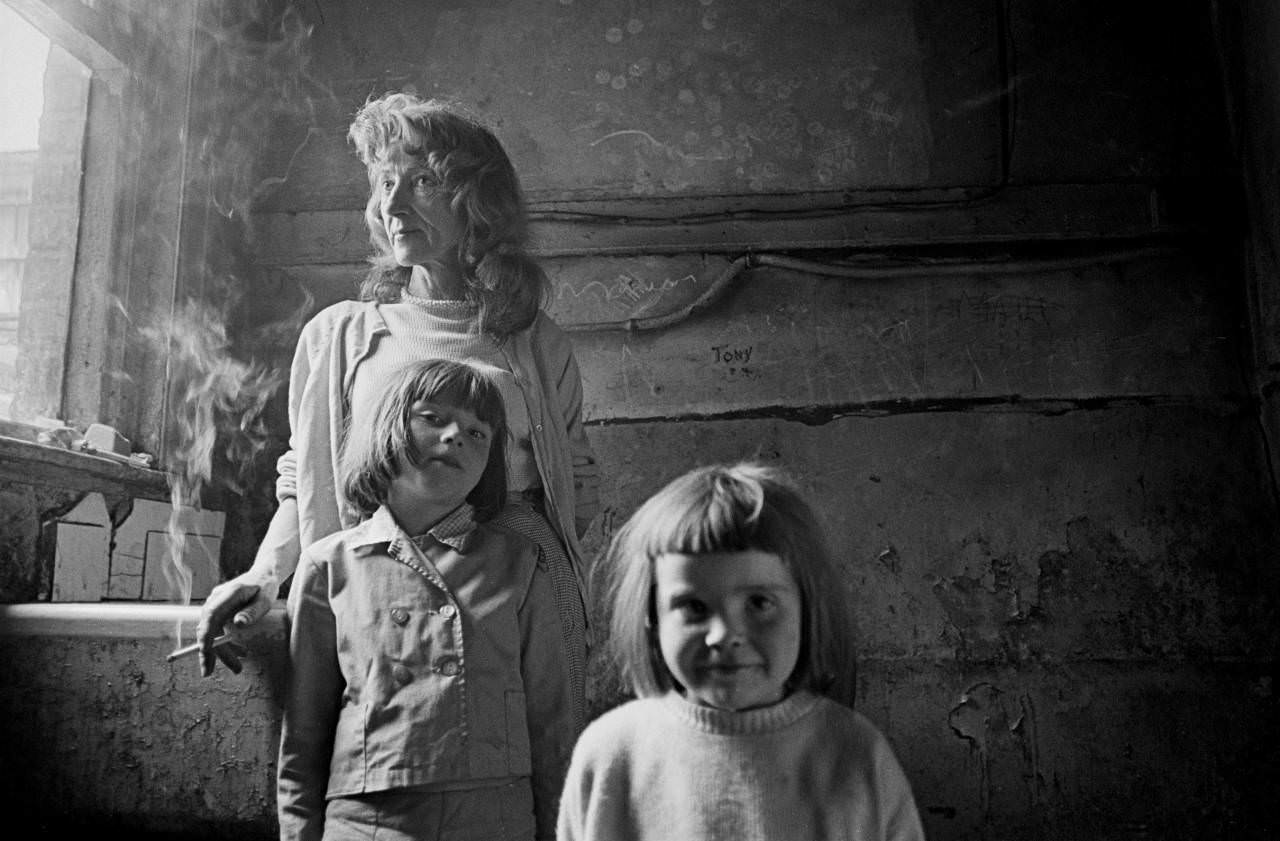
722, 631
452, 435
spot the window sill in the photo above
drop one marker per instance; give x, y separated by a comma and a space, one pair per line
31, 463
173, 622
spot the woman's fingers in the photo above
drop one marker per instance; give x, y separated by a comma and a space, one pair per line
230, 655
230, 599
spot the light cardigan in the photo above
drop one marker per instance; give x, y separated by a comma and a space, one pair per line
805, 768
331, 348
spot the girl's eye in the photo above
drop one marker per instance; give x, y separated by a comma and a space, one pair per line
691, 610
431, 418
761, 604
479, 434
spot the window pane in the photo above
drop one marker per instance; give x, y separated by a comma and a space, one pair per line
23, 53
40, 172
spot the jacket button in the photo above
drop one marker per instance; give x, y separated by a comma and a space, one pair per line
399, 616
448, 667
402, 674
448, 611
537, 427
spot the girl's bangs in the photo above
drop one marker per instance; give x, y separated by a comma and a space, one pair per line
469, 389
706, 519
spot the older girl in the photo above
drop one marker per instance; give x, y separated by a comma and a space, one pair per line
428, 696
727, 621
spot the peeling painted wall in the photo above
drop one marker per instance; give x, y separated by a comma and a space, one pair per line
996, 321
101, 733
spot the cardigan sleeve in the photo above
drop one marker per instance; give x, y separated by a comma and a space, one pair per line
279, 549
312, 700
299, 377
563, 365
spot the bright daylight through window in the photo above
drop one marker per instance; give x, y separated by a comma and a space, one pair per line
23, 53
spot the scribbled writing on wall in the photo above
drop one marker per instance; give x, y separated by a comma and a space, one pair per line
731, 354
1001, 309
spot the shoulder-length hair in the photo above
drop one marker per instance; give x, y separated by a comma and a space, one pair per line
502, 280
370, 455
729, 508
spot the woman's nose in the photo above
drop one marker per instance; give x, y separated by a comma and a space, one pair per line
395, 200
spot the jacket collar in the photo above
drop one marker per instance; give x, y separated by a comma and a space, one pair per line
454, 530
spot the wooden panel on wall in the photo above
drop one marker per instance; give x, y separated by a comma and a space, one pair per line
783, 340
1143, 327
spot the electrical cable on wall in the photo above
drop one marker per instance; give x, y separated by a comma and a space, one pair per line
955, 268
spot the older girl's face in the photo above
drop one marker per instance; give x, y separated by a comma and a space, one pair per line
728, 626
454, 445
415, 210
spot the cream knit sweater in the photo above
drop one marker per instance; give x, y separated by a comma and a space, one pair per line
804, 769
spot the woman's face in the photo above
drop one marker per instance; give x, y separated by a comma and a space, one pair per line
421, 226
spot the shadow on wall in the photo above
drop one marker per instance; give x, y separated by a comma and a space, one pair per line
101, 732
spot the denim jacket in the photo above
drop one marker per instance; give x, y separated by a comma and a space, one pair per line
334, 344
410, 668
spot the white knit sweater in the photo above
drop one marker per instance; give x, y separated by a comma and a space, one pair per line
803, 769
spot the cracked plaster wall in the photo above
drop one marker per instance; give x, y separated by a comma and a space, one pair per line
1048, 487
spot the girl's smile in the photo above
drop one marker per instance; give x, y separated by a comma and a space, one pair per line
728, 626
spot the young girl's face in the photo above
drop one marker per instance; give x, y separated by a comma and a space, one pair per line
454, 445
728, 626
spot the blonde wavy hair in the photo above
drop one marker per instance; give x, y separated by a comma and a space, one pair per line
502, 280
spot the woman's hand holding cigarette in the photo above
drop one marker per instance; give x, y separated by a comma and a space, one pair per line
239, 602
236, 650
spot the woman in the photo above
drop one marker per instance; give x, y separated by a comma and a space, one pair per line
450, 280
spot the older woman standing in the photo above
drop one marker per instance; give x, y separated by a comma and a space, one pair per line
450, 280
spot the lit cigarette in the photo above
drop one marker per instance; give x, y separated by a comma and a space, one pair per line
194, 647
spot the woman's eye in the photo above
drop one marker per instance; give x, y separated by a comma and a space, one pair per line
479, 434
761, 603
426, 182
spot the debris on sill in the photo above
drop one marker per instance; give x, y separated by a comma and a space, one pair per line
99, 440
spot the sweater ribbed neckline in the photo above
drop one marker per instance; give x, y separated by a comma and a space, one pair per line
748, 722
444, 305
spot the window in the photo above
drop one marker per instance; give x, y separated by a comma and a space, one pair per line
101, 259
